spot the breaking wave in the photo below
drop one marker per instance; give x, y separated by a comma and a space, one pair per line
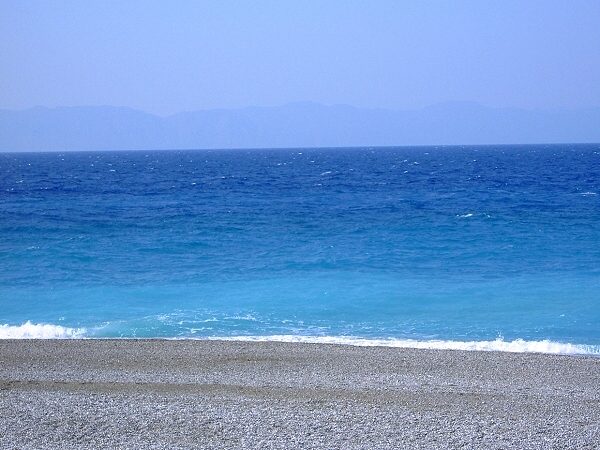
30, 330
498, 345
39, 331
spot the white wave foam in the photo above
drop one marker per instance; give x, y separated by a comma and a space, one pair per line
30, 330
39, 331
249, 317
498, 345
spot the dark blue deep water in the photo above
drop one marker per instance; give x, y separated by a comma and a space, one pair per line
407, 245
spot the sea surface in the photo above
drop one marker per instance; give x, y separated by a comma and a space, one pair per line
478, 247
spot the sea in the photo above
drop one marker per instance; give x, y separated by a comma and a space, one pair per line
449, 247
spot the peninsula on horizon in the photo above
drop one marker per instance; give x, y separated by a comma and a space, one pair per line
300, 124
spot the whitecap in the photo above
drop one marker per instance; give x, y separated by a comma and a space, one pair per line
39, 331
249, 317
497, 345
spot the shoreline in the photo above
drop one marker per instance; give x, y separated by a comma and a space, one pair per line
171, 393
48, 331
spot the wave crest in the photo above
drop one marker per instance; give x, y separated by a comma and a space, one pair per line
30, 330
39, 331
498, 345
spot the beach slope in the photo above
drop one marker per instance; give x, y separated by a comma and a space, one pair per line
223, 394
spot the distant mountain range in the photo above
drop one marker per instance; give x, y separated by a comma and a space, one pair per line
292, 125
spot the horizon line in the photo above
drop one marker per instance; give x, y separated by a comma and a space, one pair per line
345, 147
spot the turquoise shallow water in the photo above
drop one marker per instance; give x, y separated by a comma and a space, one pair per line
403, 246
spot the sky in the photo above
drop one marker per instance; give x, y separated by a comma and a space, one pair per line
166, 57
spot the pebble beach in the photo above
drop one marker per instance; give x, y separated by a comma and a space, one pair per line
251, 395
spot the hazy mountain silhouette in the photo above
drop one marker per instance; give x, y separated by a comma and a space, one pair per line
292, 125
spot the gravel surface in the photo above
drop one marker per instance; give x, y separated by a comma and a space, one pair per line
240, 395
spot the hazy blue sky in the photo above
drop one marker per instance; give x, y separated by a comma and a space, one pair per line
166, 57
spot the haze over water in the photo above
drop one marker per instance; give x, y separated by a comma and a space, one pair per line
406, 245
